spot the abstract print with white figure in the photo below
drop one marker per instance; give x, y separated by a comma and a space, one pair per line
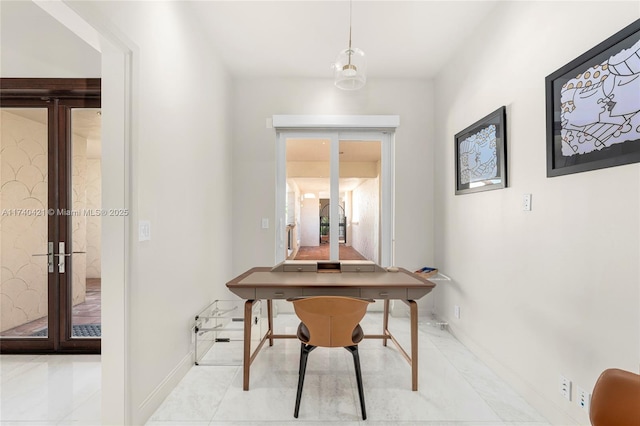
601, 107
478, 159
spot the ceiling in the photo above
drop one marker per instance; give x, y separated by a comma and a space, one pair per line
319, 150
401, 39
314, 150
407, 39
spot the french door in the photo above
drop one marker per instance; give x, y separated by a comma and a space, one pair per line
48, 303
345, 173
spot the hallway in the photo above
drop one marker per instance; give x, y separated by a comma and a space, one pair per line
321, 252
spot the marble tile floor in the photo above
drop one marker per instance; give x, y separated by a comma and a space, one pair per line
48, 390
456, 389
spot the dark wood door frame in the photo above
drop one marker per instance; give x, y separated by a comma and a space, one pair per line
59, 96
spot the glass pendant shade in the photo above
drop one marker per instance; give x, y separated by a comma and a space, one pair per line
350, 69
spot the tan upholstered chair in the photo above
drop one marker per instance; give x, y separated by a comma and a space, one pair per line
615, 400
330, 321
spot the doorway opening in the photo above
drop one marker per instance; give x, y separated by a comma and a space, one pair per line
50, 227
334, 191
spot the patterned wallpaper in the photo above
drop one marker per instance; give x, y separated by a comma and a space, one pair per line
94, 227
79, 222
23, 185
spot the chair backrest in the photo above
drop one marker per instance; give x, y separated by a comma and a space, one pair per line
615, 400
331, 320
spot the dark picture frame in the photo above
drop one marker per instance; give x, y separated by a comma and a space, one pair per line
481, 149
593, 107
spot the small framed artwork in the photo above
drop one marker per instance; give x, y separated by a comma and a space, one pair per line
593, 107
481, 162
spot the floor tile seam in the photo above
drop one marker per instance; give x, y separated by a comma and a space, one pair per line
85, 401
489, 402
239, 370
464, 376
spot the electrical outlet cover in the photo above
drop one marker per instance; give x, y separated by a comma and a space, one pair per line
565, 388
583, 398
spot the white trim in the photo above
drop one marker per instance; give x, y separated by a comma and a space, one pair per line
336, 121
281, 195
334, 194
164, 388
118, 75
70, 19
388, 201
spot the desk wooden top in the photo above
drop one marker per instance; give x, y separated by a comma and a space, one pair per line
265, 283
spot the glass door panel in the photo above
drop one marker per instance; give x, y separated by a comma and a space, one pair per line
50, 136
354, 194
26, 257
307, 178
85, 225
358, 218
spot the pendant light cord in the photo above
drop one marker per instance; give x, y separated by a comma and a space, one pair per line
350, 11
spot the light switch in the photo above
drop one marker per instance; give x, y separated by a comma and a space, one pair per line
265, 223
144, 230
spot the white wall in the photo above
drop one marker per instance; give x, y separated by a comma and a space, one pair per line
255, 99
554, 290
309, 222
181, 184
180, 163
366, 215
36, 45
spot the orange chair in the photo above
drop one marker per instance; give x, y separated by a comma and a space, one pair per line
615, 400
330, 321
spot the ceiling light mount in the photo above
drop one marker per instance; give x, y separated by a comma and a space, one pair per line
350, 67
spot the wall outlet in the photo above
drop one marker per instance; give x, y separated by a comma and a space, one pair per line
583, 398
456, 311
565, 388
526, 202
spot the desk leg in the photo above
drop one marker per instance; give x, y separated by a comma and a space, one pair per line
413, 306
385, 321
246, 361
270, 320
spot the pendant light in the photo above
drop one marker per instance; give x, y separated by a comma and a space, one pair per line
350, 69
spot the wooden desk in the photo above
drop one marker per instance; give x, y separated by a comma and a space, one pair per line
353, 279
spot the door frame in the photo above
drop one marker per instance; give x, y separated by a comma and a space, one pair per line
59, 96
335, 128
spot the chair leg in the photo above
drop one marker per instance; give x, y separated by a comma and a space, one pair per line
304, 354
302, 345
356, 363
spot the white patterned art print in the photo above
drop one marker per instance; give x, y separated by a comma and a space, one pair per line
601, 106
480, 154
593, 107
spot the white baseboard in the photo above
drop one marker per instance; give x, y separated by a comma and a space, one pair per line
160, 393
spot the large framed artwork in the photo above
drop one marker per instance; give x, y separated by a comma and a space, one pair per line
481, 162
593, 107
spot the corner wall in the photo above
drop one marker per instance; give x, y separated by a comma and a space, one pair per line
182, 170
555, 290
